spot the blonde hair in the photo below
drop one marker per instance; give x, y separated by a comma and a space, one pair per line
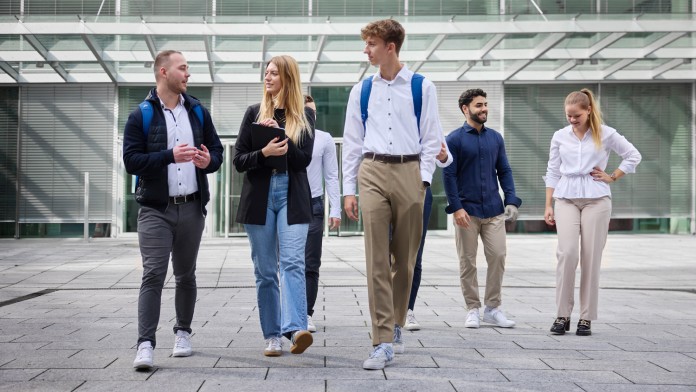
289, 97
586, 100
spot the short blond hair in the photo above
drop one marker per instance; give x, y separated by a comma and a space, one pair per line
163, 58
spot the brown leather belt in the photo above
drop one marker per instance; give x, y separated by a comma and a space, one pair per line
184, 199
391, 158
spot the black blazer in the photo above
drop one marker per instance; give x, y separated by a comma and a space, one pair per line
257, 177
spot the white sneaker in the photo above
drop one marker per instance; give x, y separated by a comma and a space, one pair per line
411, 322
496, 316
473, 319
144, 357
398, 342
182, 344
310, 324
274, 347
381, 356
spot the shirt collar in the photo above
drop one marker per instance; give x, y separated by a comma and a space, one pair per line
469, 129
405, 74
181, 101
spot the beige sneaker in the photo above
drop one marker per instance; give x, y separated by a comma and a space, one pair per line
301, 340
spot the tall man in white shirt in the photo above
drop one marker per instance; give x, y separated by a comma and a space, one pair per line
392, 158
322, 168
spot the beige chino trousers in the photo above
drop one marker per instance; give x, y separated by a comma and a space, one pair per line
391, 194
492, 232
582, 226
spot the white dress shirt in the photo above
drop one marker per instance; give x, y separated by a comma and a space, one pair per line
571, 160
324, 166
181, 176
391, 126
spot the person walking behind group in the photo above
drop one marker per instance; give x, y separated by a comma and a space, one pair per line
443, 159
171, 144
322, 168
391, 155
275, 206
471, 185
577, 181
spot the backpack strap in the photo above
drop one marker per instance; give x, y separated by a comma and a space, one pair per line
417, 93
365, 98
146, 111
198, 109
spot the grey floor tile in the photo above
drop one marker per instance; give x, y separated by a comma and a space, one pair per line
40, 386
388, 386
660, 378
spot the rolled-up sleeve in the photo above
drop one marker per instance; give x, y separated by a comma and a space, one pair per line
431, 131
627, 151
553, 168
353, 139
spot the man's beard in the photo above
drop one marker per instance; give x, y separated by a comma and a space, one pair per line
477, 119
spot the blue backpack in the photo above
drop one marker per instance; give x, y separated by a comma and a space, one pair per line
416, 92
146, 110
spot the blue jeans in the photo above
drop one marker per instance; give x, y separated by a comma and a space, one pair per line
427, 207
275, 245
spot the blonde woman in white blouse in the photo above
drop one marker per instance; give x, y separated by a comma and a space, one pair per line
576, 179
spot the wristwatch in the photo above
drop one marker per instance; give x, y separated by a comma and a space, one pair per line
613, 176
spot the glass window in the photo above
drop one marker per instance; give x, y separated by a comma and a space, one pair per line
9, 117
550, 7
331, 108
262, 7
68, 7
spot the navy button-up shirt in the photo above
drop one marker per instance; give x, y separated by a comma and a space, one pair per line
471, 181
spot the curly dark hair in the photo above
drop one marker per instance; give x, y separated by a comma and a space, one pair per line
469, 95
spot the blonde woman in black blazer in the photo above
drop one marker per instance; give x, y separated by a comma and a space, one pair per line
275, 206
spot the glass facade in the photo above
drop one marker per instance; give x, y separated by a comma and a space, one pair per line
65, 95
338, 7
656, 118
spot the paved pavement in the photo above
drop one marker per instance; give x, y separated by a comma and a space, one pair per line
68, 323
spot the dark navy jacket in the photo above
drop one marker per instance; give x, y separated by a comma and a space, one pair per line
148, 159
471, 181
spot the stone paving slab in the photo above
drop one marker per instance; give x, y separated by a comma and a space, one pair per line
40, 386
634, 388
82, 335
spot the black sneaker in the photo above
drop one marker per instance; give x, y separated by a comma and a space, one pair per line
584, 328
561, 325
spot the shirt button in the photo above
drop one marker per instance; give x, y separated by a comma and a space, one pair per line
179, 183
390, 128
389, 114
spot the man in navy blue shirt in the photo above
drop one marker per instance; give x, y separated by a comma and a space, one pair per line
471, 185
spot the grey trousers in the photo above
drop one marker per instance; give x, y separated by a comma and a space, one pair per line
178, 232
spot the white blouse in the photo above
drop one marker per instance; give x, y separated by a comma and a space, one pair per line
571, 161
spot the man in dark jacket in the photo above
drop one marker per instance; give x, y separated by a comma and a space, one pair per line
171, 159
